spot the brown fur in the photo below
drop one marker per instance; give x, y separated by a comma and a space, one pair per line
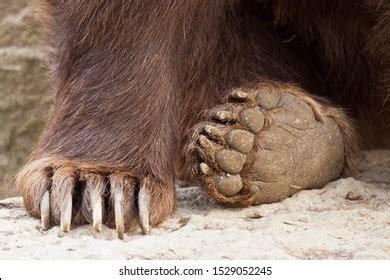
131, 76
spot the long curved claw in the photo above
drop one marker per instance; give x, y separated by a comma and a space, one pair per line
45, 211
143, 207
66, 213
97, 212
118, 210
93, 203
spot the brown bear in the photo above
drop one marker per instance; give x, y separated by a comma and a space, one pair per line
253, 100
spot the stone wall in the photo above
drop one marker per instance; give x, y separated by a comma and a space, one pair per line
24, 94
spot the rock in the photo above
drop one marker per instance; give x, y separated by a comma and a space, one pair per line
24, 95
347, 219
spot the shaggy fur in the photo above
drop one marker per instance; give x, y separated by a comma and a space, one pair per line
131, 77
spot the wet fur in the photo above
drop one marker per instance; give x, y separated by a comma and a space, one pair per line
131, 76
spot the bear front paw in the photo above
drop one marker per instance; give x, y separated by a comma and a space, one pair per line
69, 193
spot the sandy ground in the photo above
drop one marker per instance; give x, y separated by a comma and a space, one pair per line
347, 219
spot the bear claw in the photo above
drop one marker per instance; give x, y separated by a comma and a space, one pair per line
66, 213
117, 196
45, 211
97, 213
143, 205
68, 196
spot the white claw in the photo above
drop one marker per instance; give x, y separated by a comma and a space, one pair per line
45, 211
97, 212
143, 205
66, 213
239, 94
204, 168
118, 209
223, 116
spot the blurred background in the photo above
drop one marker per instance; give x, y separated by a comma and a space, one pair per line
24, 91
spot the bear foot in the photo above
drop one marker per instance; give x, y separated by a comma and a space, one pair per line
69, 192
265, 145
